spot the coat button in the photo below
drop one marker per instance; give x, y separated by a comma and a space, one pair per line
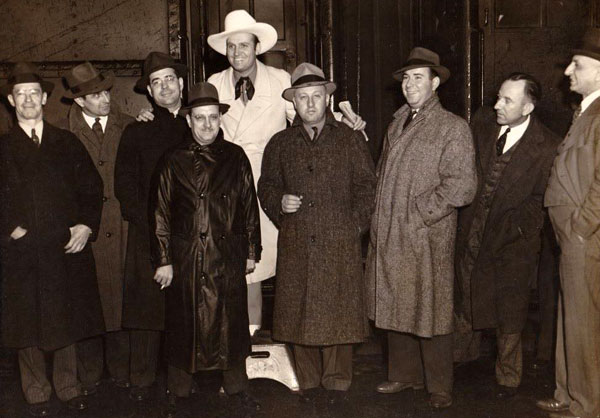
313, 238
223, 196
104, 198
201, 195
203, 235
108, 235
222, 236
100, 162
310, 168
311, 204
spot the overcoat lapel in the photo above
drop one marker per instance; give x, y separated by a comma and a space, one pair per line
260, 102
87, 137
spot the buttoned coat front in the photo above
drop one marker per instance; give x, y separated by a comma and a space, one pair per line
319, 294
506, 266
425, 172
49, 298
251, 126
109, 248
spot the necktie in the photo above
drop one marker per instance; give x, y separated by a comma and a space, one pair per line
244, 88
97, 128
576, 114
501, 142
315, 133
409, 118
35, 138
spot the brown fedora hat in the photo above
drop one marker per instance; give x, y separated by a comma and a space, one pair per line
86, 79
590, 44
204, 94
25, 72
421, 57
305, 75
156, 61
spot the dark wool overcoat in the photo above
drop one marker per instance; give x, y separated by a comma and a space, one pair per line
425, 172
49, 299
506, 265
206, 225
319, 294
109, 248
141, 147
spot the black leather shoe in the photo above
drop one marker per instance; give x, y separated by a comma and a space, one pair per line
395, 387
42, 409
139, 393
336, 397
78, 403
564, 414
552, 405
440, 400
309, 395
247, 401
506, 392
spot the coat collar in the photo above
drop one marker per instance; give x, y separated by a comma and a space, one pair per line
585, 119
77, 124
330, 123
217, 147
394, 130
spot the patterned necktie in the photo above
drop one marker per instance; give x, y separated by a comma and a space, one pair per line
35, 138
97, 128
501, 142
409, 119
245, 89
315, 133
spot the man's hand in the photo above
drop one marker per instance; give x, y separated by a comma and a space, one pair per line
145, 115
164, 276
18, 233
250, 266
290, 203
358, 124
79, 237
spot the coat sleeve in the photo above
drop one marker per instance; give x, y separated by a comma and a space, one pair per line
270, 183
89, 188
126, 176
363, 182
249, 203
458, 177
160, 204
585, 220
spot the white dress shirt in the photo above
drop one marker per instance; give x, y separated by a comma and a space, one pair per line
514, 135
90, 120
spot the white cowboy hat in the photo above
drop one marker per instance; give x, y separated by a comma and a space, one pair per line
240, 21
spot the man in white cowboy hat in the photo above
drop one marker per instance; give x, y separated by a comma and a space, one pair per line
573, 201
50, 208
257, 112
99, 124
317, 184
426, 171
141, 147
206, 237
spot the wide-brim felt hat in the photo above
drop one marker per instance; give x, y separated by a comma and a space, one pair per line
590, 44
306, 75
204, 94
421, 57
86, 79
156, 61
240, 21
25, 72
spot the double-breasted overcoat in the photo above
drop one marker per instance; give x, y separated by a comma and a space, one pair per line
142, 146
109, 248
425, 172
319, 293
49, 298
206, 225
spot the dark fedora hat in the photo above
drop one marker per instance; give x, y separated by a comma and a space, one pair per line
25, 72
590, 44
305, 75
86, 79
204, 94
421, 57
156, 61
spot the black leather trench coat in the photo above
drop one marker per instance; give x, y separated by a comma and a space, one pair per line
206, 224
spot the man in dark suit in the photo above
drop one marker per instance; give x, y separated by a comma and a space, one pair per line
50, 207
499, 233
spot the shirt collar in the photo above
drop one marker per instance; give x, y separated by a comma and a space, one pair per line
517, 131
90, 120
589, 99
251, 76
309, 128
39, 129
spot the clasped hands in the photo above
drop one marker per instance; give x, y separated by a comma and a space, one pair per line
79, 237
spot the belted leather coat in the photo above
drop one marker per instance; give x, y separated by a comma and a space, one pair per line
206, 224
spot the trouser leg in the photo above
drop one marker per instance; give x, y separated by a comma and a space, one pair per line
405, 363
34, 382
179, 382
117, 354
337, 367
308, 364
254, 306
90, 360
509, 361
548, 297
437, 363
235, 379
64, 373
144, 356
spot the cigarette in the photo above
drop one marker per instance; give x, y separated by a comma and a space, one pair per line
162, 286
